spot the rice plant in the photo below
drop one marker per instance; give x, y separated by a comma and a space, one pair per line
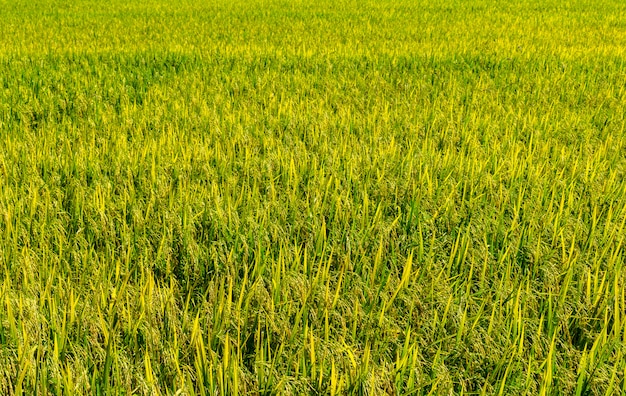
312, 197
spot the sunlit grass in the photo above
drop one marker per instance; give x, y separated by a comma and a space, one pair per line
312, 198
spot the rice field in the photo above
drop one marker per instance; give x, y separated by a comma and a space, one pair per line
226, 197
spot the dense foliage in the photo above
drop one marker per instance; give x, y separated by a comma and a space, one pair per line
312, 197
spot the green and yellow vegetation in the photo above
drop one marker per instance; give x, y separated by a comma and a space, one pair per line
312, 197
